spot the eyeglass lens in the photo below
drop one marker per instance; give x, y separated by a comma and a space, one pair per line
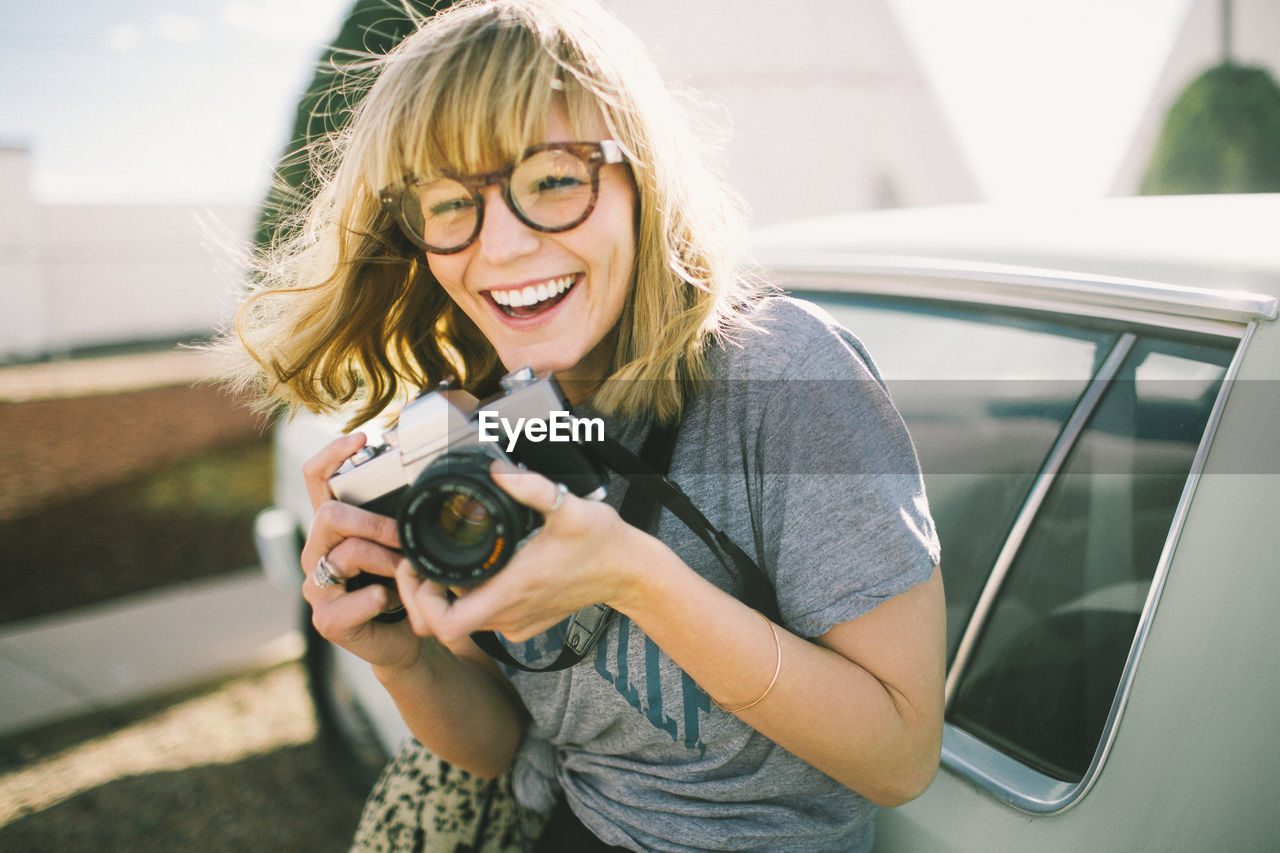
550, 189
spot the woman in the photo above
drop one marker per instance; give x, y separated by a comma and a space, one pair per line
518, 190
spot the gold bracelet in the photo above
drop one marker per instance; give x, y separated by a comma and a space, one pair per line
777, 647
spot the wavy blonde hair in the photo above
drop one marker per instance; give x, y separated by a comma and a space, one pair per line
343, 312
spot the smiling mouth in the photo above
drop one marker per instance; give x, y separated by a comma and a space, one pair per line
534, 299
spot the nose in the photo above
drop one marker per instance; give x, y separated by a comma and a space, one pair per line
503, 238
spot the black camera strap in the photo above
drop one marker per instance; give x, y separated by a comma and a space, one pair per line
648, 489
757, 589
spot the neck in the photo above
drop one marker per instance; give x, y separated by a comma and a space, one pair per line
579, 391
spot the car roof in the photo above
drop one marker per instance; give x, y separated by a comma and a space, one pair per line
1214, 257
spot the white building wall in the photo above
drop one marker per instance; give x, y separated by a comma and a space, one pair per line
1255, 40
80, 276
136, 272
825, 106
24, 319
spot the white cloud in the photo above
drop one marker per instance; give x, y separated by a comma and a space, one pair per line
298, 21
177, 28
123, 38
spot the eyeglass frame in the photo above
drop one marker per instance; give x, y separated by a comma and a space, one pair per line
594, 154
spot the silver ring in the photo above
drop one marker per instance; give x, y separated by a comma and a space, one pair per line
325, 574
561, 491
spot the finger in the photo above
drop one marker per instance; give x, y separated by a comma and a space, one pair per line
498, 604
350, 558
317, 470
530, 488
425, 601
486, 609
361, 555
324, 577
335, 522
341, 619
323, 596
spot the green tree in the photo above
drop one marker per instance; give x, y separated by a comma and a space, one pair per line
371, 28
1222, 135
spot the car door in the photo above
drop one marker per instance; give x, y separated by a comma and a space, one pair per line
1057, 451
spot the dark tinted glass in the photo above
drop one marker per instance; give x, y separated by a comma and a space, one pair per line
984, 397
1044, 674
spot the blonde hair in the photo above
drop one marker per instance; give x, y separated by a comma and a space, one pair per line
344, 310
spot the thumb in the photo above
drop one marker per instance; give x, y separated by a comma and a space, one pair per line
529, 488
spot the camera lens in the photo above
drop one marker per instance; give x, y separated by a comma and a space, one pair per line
456, 526
465, 521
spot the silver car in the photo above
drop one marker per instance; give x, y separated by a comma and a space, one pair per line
1092, 389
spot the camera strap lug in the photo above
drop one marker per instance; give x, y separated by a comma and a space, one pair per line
586, 627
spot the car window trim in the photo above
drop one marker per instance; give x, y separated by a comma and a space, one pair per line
1021, 286
1053, 463
1027, 789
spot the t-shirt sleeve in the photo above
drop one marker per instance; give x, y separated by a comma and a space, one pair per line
845, 520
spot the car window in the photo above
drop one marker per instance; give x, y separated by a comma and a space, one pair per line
1055, 454
984, 397
1044, 673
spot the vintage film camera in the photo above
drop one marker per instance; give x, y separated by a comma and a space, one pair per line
431, 473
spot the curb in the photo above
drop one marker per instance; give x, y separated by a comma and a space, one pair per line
103, 656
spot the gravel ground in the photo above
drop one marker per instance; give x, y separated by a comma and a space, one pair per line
234, 767
119, 485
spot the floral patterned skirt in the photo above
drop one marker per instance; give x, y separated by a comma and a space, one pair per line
421, 803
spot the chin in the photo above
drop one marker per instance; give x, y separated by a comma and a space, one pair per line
555, 363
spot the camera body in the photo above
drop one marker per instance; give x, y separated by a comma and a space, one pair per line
431, 473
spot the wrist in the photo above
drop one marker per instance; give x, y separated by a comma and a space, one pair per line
647, 562
412, 668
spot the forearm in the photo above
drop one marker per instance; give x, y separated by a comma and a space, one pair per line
458, 707
825, 706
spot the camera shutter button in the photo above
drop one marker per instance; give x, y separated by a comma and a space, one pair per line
363, 455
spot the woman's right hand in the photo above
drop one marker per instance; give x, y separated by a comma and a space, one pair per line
454, 699
353, 540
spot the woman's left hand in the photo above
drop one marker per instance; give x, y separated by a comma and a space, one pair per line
578, 558
862, 702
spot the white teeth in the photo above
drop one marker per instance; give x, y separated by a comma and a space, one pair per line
533, 294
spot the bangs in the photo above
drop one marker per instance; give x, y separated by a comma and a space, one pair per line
476, 104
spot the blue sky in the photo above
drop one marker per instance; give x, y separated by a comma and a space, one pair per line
148, 100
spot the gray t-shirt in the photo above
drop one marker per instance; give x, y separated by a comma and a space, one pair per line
798, 454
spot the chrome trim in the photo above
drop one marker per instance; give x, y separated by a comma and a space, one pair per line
1024, 286
959, 291
1022, 524
1007, 778
1029, 790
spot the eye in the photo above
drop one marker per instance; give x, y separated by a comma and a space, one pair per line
444, 198
450, 206
551, 183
